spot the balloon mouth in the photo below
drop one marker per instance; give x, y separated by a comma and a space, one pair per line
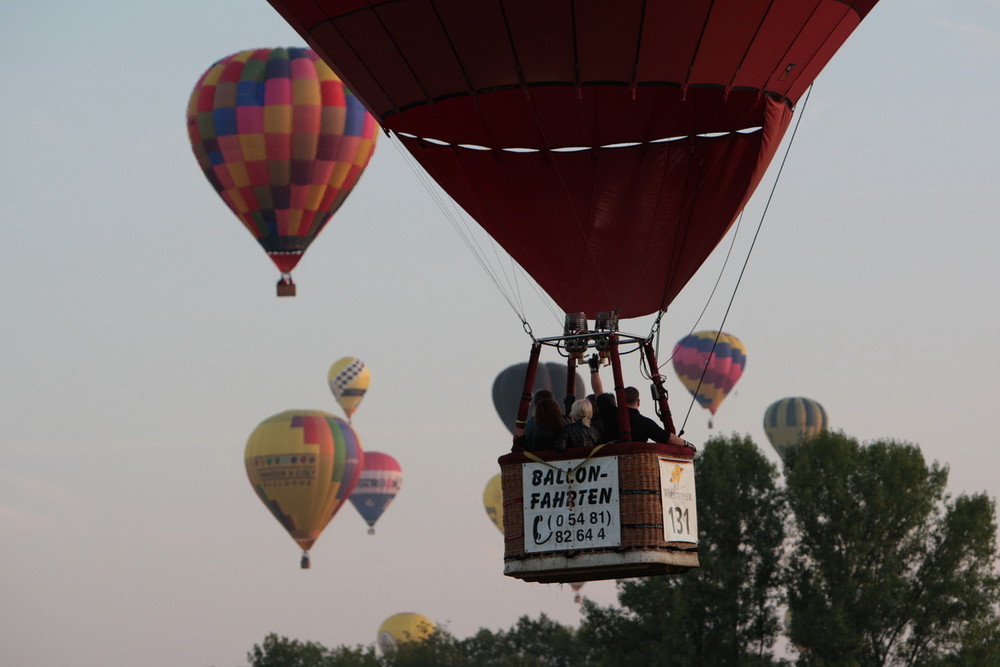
752, 129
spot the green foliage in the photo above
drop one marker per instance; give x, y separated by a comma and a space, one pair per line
724, 612
885, 568
530, 643
877, 563
283, 652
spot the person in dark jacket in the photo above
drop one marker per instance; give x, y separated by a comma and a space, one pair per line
529, 426
606, 418
548, 425
643, 428
579, 432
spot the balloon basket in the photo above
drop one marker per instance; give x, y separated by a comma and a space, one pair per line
616, 511
286, 289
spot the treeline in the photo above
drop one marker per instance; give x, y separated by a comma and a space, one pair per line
860, 557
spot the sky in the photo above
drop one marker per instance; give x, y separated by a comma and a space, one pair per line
142, 341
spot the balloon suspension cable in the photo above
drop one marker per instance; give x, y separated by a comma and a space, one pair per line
506, 284
711, 295
746, 261
654, 339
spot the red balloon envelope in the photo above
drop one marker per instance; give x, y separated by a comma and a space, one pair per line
607, 146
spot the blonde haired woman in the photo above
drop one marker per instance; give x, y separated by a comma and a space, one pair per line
579, 432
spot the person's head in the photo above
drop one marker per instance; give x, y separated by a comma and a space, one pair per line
581, 410
607, 406
631, 397
540, 394
548, 414
607, 409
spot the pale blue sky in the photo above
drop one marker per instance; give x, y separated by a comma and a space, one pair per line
142, 341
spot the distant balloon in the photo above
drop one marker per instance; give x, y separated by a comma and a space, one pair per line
509, 384
283, 142
349, 378
303, 464
493, 501
708, 375
405, 627
380, 481
789, 421
576, 586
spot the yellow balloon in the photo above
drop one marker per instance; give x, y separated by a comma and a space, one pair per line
348, 378
493, 501
303, 464
405, 627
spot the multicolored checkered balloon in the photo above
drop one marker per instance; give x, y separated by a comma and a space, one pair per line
282, 141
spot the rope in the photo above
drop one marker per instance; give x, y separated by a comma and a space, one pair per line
753, 242
711, 295
505, 284
593, 450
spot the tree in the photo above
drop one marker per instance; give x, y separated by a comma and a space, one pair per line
724, 612
887, 569
283, 652
530, 643
878, 564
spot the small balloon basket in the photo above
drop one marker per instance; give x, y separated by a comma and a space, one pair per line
619, 510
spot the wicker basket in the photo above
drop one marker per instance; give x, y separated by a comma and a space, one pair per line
643, 549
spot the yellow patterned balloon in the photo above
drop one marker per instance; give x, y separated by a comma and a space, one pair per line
303, 464
493, 501
348, 378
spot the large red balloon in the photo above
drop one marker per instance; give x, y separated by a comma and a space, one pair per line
607, 146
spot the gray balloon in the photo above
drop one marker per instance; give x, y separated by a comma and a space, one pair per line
507, 388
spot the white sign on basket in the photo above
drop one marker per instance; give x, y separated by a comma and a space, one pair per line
571, 504
680, 510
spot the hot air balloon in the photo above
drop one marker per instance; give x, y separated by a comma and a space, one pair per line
380, 481
283, 142
404, 627
789, 421
493, 501
303, 464
348, 378
576, 586
509, 384
607, 147
709, 363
